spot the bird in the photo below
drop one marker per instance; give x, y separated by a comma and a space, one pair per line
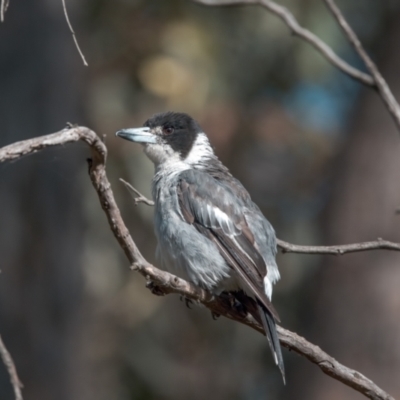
208, 229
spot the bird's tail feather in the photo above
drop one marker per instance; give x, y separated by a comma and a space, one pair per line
269, 325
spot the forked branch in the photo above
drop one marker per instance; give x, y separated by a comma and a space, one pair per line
137, 196
168, 283
296, 29
372, 79
382, 87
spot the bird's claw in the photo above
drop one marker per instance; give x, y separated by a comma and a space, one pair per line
187, 301
231, 299
234, 303
239, 307
215, 315
156, 290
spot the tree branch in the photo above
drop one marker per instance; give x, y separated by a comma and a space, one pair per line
168, 283
12, 371
3, 8
380, 83
286, 247
374, 79
288, 18
73, 34
379, 244
137, 196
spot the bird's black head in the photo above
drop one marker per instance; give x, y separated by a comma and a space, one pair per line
179, 130
170, 135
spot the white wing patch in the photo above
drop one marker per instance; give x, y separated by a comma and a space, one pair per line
268, 287
224, 221
272, 277
231, 230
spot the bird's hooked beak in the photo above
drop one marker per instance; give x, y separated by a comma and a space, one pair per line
138, 135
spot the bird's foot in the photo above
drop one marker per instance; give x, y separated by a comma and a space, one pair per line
156, 290
215, 315
239, 307
187, 301
234, 303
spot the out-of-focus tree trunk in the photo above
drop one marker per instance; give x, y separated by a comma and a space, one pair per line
41, 226
357, 297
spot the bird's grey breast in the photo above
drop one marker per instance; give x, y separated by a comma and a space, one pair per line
181, 249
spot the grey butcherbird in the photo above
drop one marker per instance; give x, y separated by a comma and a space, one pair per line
208, 229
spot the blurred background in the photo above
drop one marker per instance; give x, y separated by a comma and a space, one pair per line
318, 153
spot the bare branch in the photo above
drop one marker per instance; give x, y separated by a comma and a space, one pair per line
379, 244
288, 18
12, 371
137, 196
73, 34
331, 367
381, 85
374, 79
168, 283
3, 8
286, 247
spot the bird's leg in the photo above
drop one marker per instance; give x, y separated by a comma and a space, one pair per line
238, 306
215, 315
235, 302
156, 290
187, 301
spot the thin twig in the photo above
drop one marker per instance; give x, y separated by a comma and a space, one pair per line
168, 283
288, 18
137, 196
12, 371
374, 79
286, 247
381, 85
3, 8
73, 34
379, 244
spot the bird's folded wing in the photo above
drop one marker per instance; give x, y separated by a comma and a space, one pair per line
218, 214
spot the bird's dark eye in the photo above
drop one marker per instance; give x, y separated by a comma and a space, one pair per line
167, 130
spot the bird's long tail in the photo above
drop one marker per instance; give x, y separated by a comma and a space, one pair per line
269, 325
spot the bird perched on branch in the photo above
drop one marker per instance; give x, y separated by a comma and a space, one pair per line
208, 229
